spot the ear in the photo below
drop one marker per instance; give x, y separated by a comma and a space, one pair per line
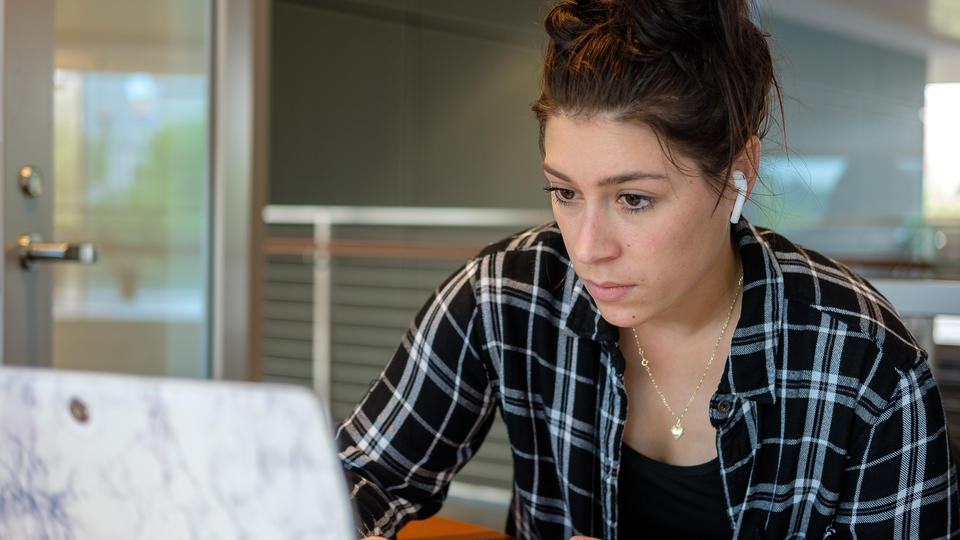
748, 162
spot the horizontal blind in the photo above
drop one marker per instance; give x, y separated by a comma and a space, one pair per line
288, 328
373, 301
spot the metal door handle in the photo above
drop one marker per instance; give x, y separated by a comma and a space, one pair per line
34, 249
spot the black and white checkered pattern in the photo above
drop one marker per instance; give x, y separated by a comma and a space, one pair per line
828, 419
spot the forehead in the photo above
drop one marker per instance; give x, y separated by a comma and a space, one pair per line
599, 143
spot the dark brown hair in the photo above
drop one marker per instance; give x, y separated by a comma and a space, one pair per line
698, 72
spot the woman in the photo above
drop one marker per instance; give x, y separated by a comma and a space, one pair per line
662, 372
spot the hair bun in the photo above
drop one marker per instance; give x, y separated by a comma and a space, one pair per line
569, 20
649, 27
679, 25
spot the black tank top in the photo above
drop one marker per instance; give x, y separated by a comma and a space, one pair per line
668, 501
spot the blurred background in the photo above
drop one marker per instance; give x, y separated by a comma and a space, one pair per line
385, 141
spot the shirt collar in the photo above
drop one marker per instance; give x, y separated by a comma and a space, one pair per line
751, 370
750, 373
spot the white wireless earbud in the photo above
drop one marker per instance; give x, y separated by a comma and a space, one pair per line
739, 182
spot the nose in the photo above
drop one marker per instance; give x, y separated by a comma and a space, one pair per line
596, 239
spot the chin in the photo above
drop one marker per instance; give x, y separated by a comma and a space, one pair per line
621, 316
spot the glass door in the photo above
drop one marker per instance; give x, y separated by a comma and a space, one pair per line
131, 155
106, 160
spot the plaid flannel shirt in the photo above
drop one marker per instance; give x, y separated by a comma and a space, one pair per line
828, 420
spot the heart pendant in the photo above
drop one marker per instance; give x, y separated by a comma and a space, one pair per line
676, 430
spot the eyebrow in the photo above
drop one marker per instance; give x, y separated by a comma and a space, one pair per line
612, 180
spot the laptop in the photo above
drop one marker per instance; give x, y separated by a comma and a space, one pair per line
88, 456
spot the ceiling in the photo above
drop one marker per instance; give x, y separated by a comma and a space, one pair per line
928, 28
939, 18
917, 25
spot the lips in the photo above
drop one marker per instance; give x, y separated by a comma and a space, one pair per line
607, 291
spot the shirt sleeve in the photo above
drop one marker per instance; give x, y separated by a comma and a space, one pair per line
424, 417
901, 481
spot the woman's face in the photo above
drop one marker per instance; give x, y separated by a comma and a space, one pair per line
643, 236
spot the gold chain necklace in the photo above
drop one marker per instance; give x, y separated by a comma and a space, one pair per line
677, 429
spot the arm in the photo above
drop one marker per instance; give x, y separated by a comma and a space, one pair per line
424, 417
901, 479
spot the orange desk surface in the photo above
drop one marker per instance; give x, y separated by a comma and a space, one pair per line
436, 528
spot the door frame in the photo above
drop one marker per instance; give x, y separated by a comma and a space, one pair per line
26, 138
241, 137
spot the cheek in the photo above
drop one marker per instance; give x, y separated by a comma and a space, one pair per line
674, 247
651, 256
568, 229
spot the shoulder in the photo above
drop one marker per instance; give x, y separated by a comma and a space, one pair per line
529, 263
527, 257
526, 273
835, 290
843, 313
544, 237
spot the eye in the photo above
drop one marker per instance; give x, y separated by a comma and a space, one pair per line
561, 195
635, 202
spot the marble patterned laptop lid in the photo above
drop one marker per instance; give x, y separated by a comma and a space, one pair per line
98, 457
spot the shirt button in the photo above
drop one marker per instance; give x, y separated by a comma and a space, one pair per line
724, 407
